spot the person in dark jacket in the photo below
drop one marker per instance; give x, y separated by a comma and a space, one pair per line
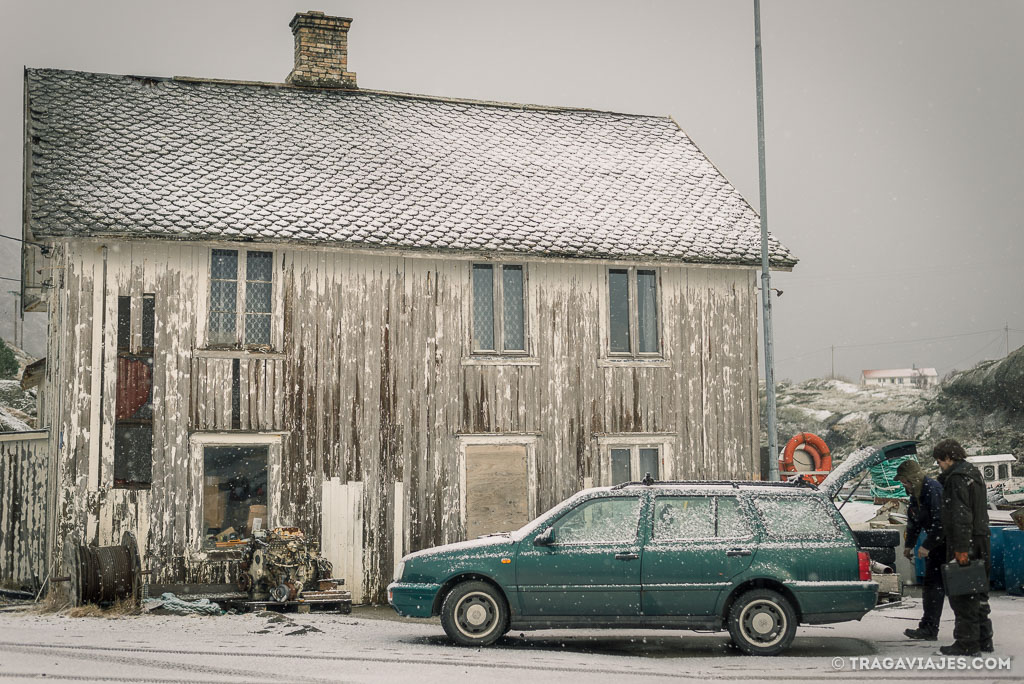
924, 515
965, 528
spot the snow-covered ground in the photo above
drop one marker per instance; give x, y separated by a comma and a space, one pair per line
372, 646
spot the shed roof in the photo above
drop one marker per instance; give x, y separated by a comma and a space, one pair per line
208, 160
901, 373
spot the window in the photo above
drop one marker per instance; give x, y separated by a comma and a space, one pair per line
499, 308
632, 463
633, 312
250, 280
234, 492
683, 517
133, 420
732, 519
990, 472
600, 520
796, 518
698, 517
1004, 471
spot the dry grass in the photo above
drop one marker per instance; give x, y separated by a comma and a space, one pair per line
55, 602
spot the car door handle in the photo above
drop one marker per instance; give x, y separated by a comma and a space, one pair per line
626, 556
739, 552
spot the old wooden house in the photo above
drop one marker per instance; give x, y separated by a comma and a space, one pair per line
391, 320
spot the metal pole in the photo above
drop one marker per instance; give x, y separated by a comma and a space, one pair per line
769, 352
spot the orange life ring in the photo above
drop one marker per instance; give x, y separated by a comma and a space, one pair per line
815, 447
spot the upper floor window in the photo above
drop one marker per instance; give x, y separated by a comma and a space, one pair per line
499, 308
633, 312
240, 276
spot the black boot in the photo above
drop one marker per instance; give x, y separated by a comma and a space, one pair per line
921, 634
958, 649
986, 646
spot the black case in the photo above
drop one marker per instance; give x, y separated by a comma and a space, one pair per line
961, 580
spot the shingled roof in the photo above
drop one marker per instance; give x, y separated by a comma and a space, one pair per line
206, 160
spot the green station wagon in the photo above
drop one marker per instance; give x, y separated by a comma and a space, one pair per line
754, 558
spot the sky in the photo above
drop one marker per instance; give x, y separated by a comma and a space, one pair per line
893, 130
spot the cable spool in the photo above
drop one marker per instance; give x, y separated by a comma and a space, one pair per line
103, 574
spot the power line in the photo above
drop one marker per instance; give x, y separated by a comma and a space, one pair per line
979, 351
920, 339
16, 280
11, 238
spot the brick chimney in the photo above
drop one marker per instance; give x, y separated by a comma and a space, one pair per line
321, 51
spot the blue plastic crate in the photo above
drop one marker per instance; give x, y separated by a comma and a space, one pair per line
1013, 560
998, 576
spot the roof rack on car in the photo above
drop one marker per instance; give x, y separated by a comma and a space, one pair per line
648, 481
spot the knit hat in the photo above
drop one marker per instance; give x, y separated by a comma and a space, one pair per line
911, 471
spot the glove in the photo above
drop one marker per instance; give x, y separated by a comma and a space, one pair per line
922, 552
961, 557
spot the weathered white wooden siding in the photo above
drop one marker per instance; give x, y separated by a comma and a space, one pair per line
370, 380
24, 499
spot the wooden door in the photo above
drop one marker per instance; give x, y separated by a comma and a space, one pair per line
496, 488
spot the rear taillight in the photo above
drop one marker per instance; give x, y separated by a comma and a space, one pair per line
864, 566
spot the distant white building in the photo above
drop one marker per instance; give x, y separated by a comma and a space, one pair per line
910, 377
995, 468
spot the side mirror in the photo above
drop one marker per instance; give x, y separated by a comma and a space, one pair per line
545, 538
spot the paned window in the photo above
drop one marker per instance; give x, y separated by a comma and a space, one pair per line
499, 308
632, 463
240, 276
133, 420
633, 328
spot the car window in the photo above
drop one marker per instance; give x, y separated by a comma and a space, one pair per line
732, 519
794, 517
600, 520
683, 517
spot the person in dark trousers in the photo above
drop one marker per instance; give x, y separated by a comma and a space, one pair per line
965, 528
925, 515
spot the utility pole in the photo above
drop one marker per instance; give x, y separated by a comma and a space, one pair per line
833, 362
766, 292
1006, 329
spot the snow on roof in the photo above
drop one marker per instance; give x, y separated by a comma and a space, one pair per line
901, 373
190, 159
994, 458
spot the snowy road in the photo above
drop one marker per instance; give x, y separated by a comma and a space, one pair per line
372, 646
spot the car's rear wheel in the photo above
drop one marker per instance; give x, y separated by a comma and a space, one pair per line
474, 614
762, 622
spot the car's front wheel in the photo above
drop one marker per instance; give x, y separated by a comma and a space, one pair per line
762, 622
474, 614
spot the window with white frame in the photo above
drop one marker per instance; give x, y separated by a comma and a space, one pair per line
235, 478
241, 297
633, 321
631, 462
499, 309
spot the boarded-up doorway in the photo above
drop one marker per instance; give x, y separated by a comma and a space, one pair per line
497, 488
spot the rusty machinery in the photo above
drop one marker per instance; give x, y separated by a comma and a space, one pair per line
281, 563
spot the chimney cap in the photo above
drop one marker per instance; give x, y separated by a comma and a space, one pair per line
317, 18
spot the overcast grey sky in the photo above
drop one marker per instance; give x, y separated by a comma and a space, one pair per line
894, 130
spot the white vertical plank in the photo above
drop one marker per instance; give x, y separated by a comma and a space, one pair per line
398, 533
95, 264
355, 529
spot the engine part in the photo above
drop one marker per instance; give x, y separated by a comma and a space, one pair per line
279, 564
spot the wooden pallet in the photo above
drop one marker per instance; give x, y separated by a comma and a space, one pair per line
308, 601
